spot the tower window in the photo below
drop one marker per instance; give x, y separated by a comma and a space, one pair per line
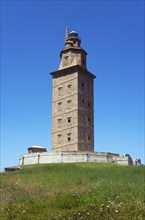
89, 104
83, 101
59, 106
59, 123
66, 60
82, 85
88, 121
66, 57
83, 62
69, 120
89, 137
69, 137
69, 104
69, 88
59, 138
59, 90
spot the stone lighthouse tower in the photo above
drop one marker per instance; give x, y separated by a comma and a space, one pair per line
73, 99
72, 113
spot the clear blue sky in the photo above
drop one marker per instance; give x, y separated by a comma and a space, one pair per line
31, 40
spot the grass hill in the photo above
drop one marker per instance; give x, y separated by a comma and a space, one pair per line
88, 191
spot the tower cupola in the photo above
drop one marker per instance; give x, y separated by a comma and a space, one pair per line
73, 34
74, 37
72, 54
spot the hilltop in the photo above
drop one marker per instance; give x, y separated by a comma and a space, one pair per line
73, 191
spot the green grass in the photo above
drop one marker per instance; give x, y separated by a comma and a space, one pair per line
89, 191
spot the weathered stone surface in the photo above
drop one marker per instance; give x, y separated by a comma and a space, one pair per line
71, 157
73, 100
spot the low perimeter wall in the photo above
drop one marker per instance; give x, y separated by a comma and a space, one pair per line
70, 157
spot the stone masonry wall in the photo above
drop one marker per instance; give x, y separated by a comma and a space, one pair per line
73, 111
65, 113
70, 157
85, 112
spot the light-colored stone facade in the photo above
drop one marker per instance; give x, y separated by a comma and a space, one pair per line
73, 100
73, 157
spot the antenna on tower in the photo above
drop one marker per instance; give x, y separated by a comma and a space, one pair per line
66, 33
